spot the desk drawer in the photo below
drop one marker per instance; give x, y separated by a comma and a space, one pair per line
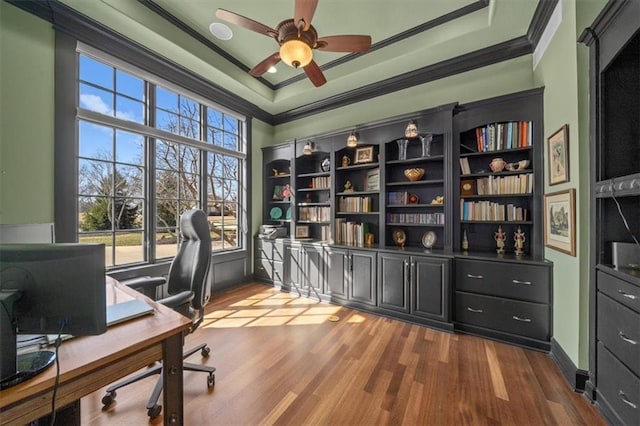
619, 330
521, 318
619, 290
619, 387
512, 280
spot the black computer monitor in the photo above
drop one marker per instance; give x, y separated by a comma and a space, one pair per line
48, 289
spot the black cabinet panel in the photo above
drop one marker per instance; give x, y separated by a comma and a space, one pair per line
619, 330
512, 280
521, 318
336, 273
619, 290
430, 281
393, 288
362, 286
618, 387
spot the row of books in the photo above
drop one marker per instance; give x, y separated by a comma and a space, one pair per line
416, 218
325, 232
488, 210
401, 197
499, 136
320, 214
321, 182
351, 233
355, 204
514, 184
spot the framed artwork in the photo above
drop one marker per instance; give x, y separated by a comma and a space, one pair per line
302, 231
560, 221
467, 187
558, 156
373, 180
364, 155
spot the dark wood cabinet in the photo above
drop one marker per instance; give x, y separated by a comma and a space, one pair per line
614, 308
268, 260
351, 275
394, 286
303, 268
336, 264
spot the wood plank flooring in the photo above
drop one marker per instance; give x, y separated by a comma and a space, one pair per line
280, 360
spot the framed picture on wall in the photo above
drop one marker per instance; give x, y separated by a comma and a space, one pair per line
558, 156
560, 221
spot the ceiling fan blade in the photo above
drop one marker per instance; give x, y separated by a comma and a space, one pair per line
314, 73
245, 22
345, 43
304, 10
263, 66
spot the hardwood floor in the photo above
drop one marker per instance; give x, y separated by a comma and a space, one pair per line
280, 360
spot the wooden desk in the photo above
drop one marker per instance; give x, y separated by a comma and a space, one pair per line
89, 363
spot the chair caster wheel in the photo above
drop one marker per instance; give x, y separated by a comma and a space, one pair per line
211, 380
154, 411
205, 352
108, 399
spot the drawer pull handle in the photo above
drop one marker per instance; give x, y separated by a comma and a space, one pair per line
521, 319
627, 295
475, 277
477, 311
626, 339
521, 282
624, 399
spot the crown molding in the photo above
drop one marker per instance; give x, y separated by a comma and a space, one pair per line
540, 19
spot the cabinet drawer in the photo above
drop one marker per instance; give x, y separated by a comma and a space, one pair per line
620, 290
619, 330
263, 248
512, 280
619, 387
521, 318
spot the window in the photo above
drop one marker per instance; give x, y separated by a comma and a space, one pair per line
148, 151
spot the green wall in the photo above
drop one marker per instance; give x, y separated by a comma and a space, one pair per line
566, 102
26, 117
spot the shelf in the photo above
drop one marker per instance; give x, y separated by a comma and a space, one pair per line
318, 222
620, 187
279, 176
313, 204
499, 222
416, 160
279, 202
358, 213
507, 173
430, 225
318, 174
495, 196
359, 166
418, 182
415, 205
357, 193
312, 189
487, 153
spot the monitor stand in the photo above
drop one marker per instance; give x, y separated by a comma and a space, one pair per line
15, 368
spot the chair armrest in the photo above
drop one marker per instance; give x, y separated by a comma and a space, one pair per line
145, 285
180, 302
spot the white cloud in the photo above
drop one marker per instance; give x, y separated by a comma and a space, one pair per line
95, 103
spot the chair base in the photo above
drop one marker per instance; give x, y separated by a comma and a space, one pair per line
153, 409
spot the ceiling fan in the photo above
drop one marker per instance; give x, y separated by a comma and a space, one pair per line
297, 39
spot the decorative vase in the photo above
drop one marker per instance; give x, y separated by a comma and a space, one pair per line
497, 165
426, 144
414, 174
402, 149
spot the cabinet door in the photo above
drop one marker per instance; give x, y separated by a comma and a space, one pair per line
362, 286
314, 266
293, 265
336, 273
393, 281
430, 284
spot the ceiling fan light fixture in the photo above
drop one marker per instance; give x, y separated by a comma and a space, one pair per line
412, 130
221, 31
296, 53
352, 140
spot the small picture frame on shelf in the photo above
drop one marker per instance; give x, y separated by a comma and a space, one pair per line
558, 156
363, 155
373, 180
467, 187
302, 231
560, 221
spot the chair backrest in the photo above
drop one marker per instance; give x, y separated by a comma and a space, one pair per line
189, 270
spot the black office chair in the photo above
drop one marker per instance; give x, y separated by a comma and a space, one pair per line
187, 289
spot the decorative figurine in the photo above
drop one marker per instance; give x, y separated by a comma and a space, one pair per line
345, 161
307, 198
286, 191
399, 237
369, 239
519, 239
500, 236
465, 241
348, 187
438, 200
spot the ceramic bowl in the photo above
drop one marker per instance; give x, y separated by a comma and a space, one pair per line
414, 174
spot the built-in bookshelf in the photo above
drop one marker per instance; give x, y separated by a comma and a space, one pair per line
313, 192
278, 193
